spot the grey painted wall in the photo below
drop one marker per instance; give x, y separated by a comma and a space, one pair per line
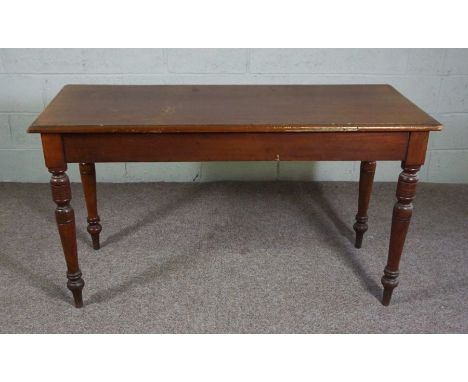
435, 79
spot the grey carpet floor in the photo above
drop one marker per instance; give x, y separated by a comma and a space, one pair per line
234, 258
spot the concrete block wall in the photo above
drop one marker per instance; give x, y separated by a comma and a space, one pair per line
435, 79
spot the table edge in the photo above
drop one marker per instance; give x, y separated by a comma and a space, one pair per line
86, 129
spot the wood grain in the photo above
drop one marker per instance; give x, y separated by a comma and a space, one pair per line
417, 147
230, 108
193, 147
88, 124
402, 212
366, 181
88, 180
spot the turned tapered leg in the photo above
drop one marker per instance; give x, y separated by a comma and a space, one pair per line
402, 212
61, 194
88, 179
366, 180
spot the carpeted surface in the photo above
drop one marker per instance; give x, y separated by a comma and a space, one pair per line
234, 258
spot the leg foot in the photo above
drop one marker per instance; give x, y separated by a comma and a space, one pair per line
94, 229
402, 212
366, 180
390, 282
75, 284
88, 179
360, 228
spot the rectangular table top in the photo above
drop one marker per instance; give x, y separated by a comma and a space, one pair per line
230, 108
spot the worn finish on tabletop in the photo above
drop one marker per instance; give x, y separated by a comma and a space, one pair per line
86, 124
231, 108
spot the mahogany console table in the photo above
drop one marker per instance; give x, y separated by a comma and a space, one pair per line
86, 124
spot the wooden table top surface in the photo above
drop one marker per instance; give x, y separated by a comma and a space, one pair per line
230, 108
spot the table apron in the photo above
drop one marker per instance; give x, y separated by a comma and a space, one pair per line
192, 147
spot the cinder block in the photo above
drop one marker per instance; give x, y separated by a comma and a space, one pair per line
27, 165
423, 90
426, 61
207, 60
454, 135
43, 60
187, 79
360, 61
23, 166
76, 61
110, 172
317, 171
123, 60
389, 171
448, 166
2, 68
163, 172
155, 79
386, 171
53, 84
20, 94
456, 61
73, 172
454, 95
19, 124
5, 135
240, 171
105, 172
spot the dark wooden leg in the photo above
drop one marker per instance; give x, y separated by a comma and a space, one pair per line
366, 180
61, 194
402, 212
88, 179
